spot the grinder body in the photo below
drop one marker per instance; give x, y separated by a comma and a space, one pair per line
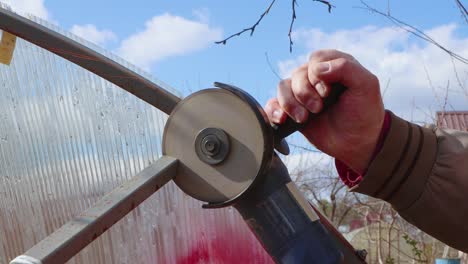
287, 226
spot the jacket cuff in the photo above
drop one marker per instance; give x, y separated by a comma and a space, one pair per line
404, 162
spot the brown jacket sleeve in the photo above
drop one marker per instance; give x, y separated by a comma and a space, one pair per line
423, 173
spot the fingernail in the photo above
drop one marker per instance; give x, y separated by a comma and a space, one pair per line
277, 115
321, 89
323, 67
313, 106
300, 114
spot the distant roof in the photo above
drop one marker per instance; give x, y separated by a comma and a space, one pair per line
453, 119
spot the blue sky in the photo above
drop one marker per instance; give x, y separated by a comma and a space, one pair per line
173, 40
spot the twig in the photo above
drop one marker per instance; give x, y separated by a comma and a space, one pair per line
304, 148
345, 213
271, 66
254, 26
457, 77
327, 3
386, 88
293, 18
442, 103
462, 9
316, 198
251, 29
414, 31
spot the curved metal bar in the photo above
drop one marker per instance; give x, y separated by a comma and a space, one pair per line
88, 59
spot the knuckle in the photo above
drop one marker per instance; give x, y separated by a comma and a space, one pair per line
287, 105
319, 54
342, 63
270, 102
322, 53
283, 84
374, 80
302, 95
299, 69
299, 73
346, 55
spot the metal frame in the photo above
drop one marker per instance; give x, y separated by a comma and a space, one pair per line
67, 241
75, 235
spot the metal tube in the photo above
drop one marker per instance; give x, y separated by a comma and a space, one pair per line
88, 59
75, 235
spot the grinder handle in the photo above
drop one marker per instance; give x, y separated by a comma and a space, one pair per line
290, 126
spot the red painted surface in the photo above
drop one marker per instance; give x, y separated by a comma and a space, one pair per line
231, 244
223, 250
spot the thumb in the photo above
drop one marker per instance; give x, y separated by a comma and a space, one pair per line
346, 71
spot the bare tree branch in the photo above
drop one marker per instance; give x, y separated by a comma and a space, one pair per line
304, 148
457, 77
327, 3
251, 29
271, 66
414, 31
386, 87
293, 18
462, 9
254, 26
343, 215
319, 201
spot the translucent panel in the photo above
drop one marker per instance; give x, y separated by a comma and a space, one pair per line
67, 137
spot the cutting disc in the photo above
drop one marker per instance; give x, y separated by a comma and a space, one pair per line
247, 134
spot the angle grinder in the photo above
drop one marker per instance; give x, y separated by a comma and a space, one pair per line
226, 145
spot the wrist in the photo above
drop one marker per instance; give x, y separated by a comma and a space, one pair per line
364, 153
351, 176
363, 157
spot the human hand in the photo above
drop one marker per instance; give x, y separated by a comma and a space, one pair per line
347, 130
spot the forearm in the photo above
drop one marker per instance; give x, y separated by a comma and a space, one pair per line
423, 173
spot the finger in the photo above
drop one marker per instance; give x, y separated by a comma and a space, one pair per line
345, 71
289, 104
304, 92
327, 55
323, 88
274, 112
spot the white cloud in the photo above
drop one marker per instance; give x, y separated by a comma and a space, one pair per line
167, 35
298, 163
392, 54
202, 15
33, 7
92, 34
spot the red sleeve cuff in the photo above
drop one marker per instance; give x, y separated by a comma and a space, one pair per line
352, 178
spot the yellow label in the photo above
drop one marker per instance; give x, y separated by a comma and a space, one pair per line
7, 47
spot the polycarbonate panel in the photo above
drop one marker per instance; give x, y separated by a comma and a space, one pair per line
67, 137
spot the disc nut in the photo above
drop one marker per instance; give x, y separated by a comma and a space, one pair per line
210, 145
